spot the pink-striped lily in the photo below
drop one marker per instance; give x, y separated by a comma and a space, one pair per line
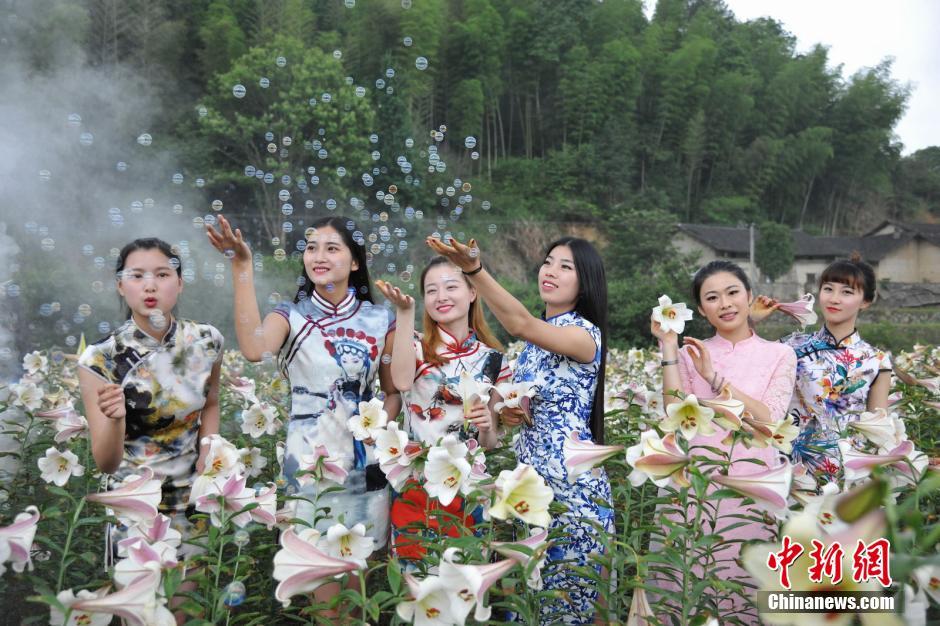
583, 454
320, 466
16, 540
728, 410
688, 417
660, 460
157, 531
469, 583
301, 567
235, 497
138, 602
67, 421
76, 618
537, 542
768, 488
801, 310
783, 433
140, 555
761, 432
641, 612
884, 430
245, 387
858, 465
135, 499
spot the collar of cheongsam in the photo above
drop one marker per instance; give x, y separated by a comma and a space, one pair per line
721, 342
457, 346
559, 316
824, 334
140, 336
345, 305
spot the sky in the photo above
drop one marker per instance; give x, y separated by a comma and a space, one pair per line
860, 33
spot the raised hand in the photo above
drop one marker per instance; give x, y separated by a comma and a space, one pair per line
225, 239
111, 401
762, 307
402, 301
466, 257
701, 359
665, 336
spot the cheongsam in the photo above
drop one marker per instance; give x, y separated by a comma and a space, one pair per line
562, 405
166, 383
833, 378
331, 357
433, 408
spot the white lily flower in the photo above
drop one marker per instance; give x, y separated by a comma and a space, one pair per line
471, 390
35, 362
514, 395
521, 493
252, 460
369, 421
351, 544
260, 419
671, 316
27, 395
57, 467
447, 469
689, 417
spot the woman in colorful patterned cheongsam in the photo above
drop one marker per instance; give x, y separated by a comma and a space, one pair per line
151, 387
839, 375
564, 357
330, 340
427, 369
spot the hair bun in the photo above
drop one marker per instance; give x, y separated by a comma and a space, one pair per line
855, 257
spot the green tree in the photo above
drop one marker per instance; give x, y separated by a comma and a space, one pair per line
222, 38
307, 101
773, 250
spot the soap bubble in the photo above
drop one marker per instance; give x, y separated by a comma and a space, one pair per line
281, 61
45, 175
74, 120
216, 205
470, 142
238, 91
407, 41
234, 593
360, 92
421, 63
86, 139
264, 83
145, 139
121, 166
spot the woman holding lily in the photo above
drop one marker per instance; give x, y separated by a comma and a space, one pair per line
564, 361
733, 365
455, 355
841, 378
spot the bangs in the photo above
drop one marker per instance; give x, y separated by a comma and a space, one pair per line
846, 273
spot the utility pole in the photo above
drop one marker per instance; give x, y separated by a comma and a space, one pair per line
753, 268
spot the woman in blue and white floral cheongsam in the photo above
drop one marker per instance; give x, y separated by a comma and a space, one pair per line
564, 357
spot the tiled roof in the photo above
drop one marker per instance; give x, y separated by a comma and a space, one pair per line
734, 240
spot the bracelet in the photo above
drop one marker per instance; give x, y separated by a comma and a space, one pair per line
473, 272
672, 362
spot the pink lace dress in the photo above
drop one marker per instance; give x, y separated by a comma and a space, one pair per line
764, 370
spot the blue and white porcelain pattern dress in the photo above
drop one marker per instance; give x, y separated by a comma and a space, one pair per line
331, 357
563, 405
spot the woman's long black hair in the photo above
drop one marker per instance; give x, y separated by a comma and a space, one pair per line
592, 306
358, 279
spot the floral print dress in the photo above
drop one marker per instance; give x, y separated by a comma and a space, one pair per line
833, 378
166, 383
331, 357
433, 408
562, 405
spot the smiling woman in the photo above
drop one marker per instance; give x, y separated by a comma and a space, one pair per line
734, 363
